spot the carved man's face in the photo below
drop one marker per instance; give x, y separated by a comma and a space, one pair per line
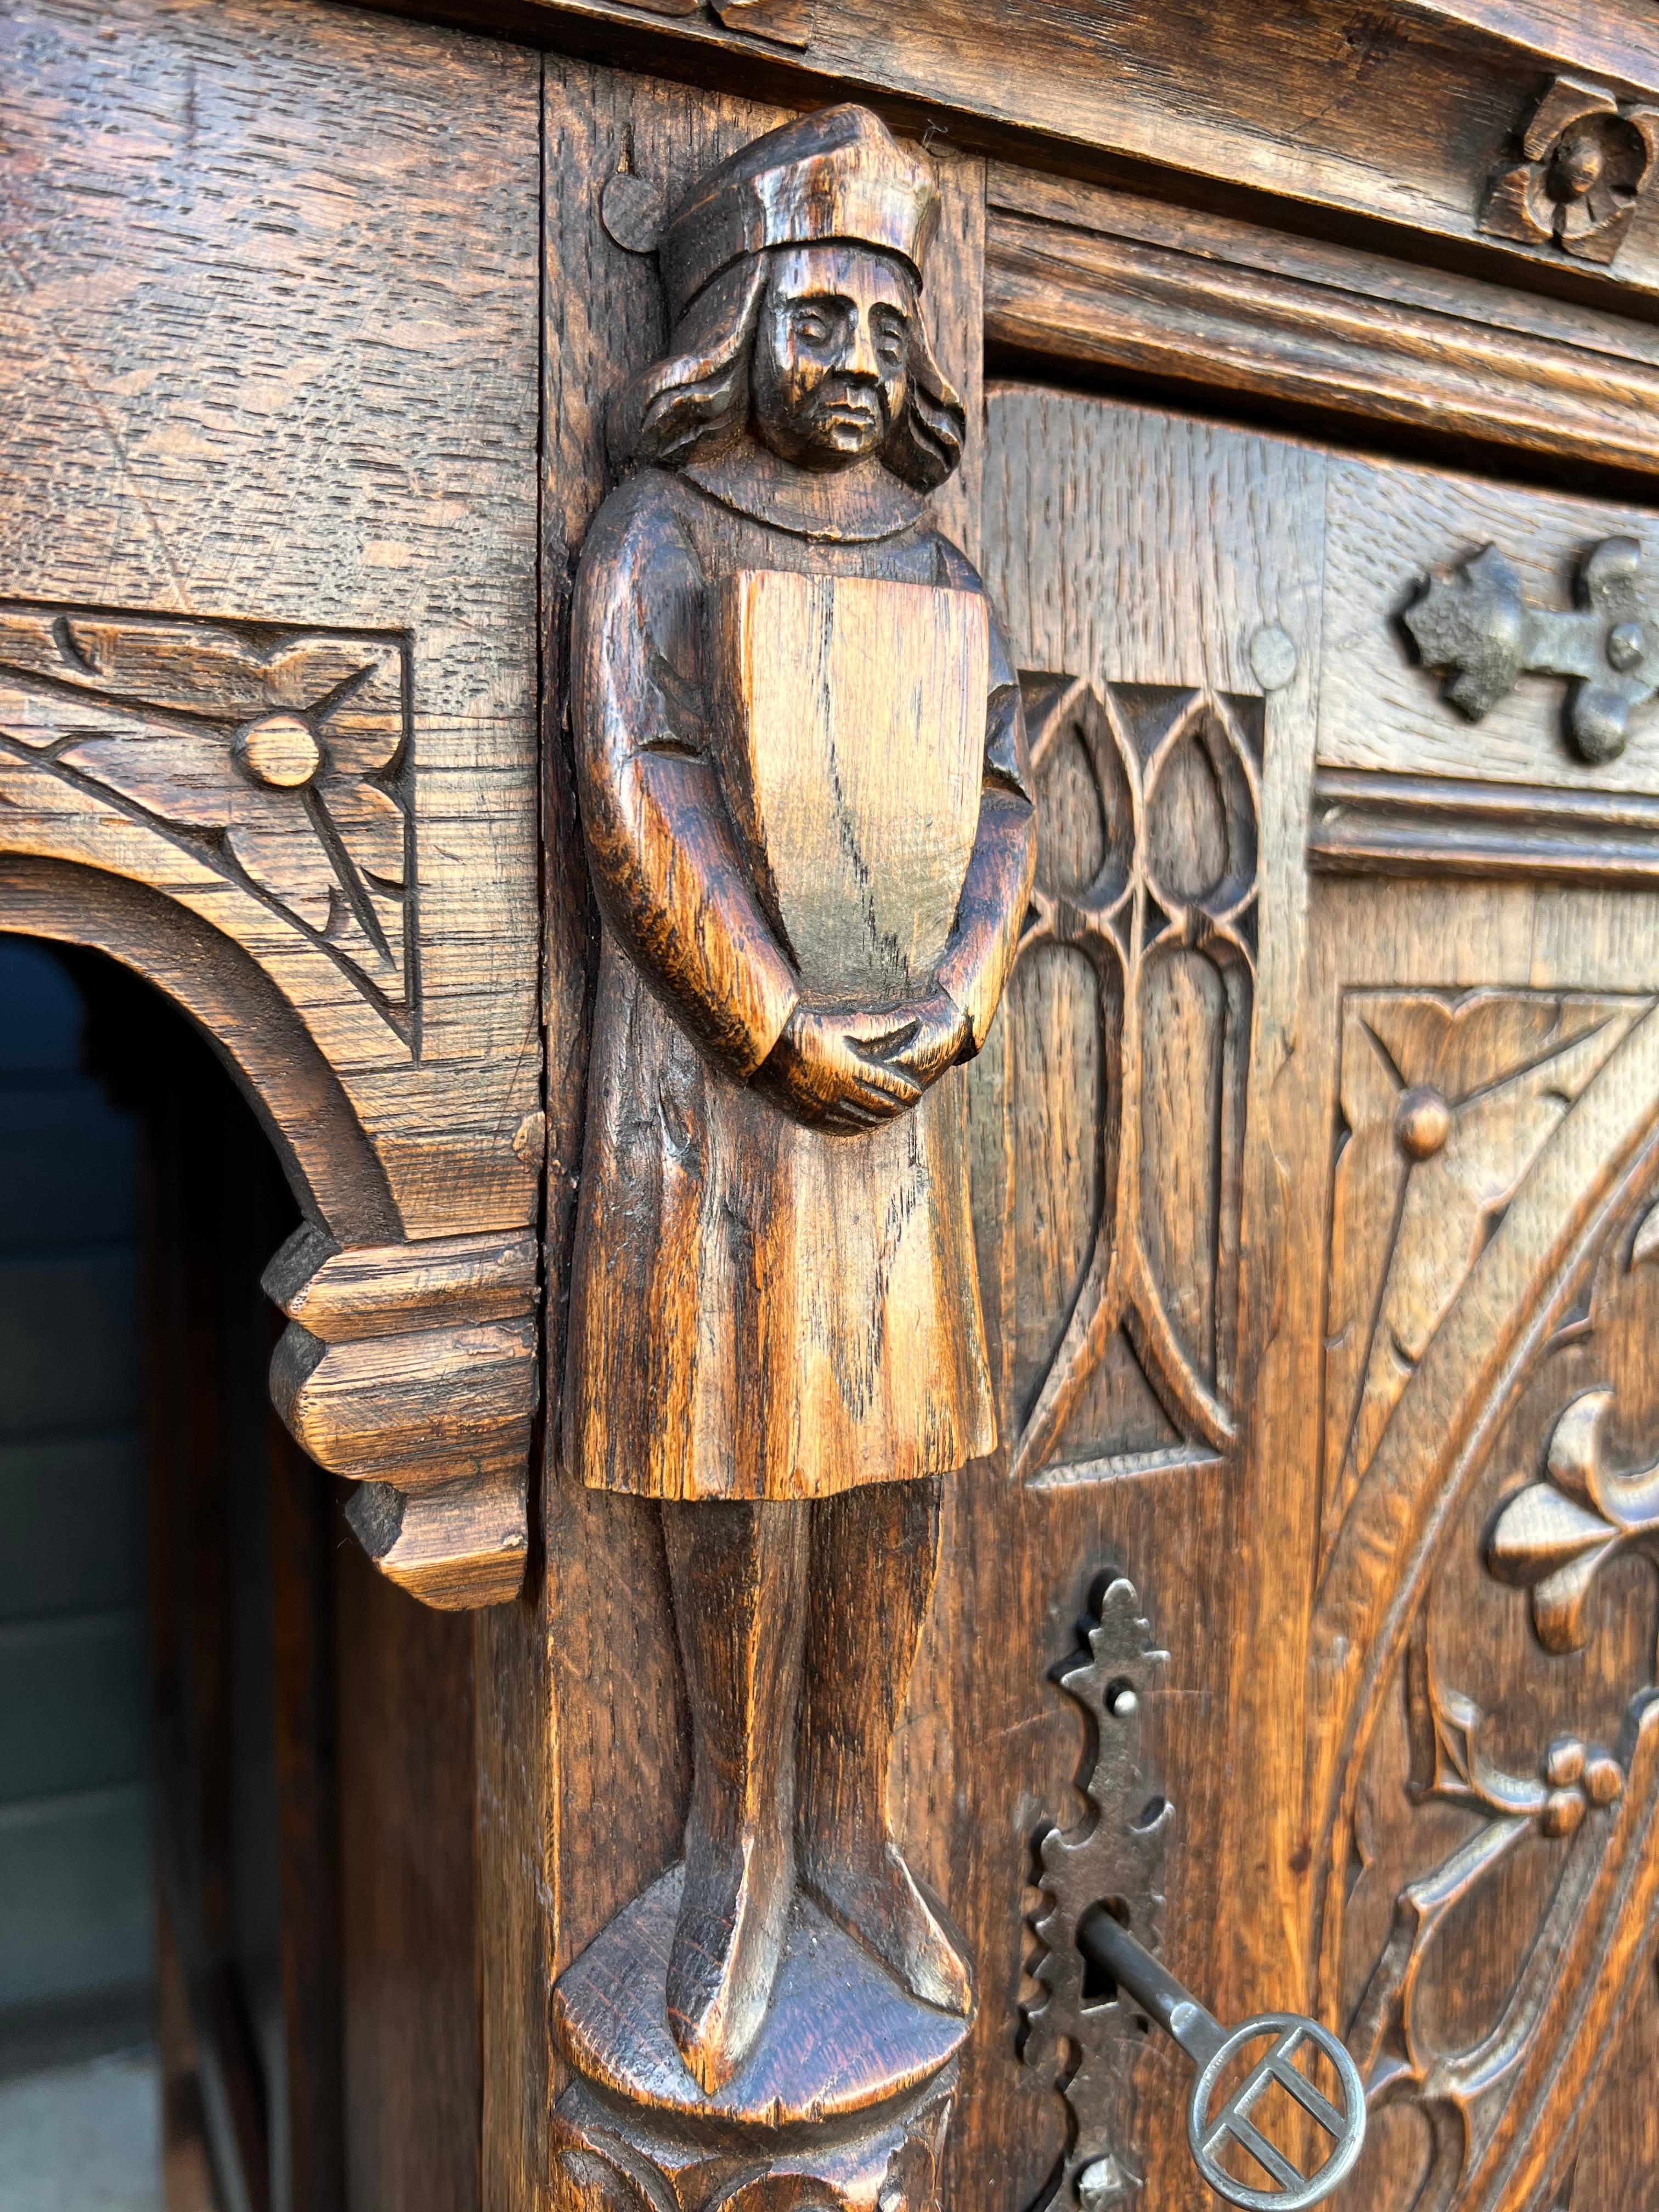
832, 353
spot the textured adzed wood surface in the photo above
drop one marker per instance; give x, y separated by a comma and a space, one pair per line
267, 657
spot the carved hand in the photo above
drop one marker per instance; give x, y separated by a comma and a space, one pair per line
829, 1068
941, 1036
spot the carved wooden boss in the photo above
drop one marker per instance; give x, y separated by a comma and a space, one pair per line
802, 759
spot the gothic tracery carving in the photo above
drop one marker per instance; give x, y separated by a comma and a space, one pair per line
1139, 954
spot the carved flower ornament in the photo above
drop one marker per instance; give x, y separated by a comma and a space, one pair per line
1555, 1537
1587, 161
274, 754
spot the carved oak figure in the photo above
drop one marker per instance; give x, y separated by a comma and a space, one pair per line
805, 790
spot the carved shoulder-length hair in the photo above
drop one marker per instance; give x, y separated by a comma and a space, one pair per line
699, 395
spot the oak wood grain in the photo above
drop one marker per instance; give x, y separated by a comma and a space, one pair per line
616, 1704
1390, 527
1135, 549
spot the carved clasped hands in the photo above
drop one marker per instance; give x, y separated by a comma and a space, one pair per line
850, 1071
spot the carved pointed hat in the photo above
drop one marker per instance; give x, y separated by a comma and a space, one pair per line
838, 174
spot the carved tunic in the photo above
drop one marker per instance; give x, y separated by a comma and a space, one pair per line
759, 1308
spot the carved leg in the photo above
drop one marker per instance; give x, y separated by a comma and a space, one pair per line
738, 1573
875, 1551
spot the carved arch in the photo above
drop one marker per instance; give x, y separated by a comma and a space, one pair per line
302, 1108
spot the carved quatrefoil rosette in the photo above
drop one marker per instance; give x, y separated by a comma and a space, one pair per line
1586, 161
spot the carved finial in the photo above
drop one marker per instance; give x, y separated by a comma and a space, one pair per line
1586, 162
1473, 622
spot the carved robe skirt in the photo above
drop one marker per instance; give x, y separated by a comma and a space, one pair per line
760, 1309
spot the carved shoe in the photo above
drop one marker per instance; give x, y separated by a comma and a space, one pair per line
728, 1939
877, 1899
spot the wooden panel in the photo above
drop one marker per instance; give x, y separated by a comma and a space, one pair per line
411, 1901
1391, 527
1502, 1269
1143, 554
1440, 1781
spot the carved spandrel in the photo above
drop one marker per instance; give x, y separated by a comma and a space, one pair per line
1447, 1100
279, 755
1131, 1010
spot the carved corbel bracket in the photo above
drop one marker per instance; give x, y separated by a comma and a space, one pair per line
412, 1368
1586, 159
1472, 622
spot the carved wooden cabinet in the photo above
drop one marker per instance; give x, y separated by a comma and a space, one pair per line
1277, 504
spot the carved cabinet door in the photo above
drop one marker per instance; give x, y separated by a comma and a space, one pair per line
1326, 1294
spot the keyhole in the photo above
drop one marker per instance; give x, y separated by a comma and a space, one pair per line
1099, 1987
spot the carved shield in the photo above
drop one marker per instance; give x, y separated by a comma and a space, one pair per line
849, 727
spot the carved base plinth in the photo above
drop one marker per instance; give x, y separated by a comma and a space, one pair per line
843, 2106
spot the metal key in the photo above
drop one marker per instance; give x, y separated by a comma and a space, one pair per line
1212, 2049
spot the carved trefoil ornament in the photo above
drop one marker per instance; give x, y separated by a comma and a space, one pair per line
1587, 158
1473, 621
278, 755
1140, 947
